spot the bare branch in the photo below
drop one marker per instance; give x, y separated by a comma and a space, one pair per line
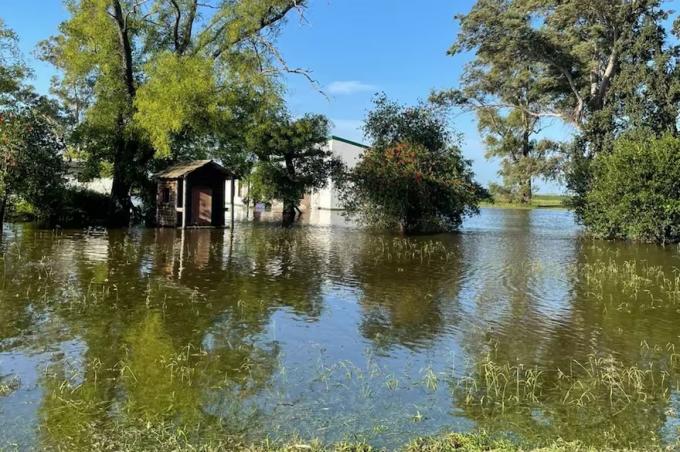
287, 69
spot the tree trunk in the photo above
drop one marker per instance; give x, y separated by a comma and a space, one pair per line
289, 205
288, 213
125, 49
527, 194
3, 206
124, 159
121, 204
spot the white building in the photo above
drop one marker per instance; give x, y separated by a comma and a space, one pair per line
74, 171
347, 151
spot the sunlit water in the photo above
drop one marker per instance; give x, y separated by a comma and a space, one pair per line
328, 332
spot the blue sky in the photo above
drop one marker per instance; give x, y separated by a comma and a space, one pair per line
353, 48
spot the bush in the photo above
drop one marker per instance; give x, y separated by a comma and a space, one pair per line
19, 210
81, 207
414, 177
635, 192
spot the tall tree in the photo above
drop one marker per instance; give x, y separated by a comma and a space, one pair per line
31, 142
13, 70
292, 159
509, 137
125, 50
31, 162
578, 46
414, 176
600, 66
503, 98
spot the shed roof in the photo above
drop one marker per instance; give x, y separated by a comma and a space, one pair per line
184, 168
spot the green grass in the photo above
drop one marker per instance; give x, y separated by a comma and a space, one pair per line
537, 202
163, 437
8, 385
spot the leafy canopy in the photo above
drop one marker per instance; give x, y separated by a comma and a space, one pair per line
161, 80
413, 177
636, 190
31, 145
604, 68
31, 163
292, 158
180, 96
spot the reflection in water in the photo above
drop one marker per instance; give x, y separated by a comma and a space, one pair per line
330, 331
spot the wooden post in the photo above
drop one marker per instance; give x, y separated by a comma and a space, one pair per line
248, 203
184, 202
181, 254
232, 194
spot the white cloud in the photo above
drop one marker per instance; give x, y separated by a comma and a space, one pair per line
343, 87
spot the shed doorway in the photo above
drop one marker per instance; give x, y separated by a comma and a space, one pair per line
201, 206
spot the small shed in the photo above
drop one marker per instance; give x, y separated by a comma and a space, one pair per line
192, 194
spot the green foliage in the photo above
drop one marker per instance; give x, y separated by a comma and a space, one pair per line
20, 210
163, 80
603, 68
81, 207
260, 188
575, 49
13, 71
509, 98
508, 137
31, 166
292, 159
413, 177
31, 141
635, 192
180, 96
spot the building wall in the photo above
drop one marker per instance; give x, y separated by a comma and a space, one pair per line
240, 192
329, 197
166, 212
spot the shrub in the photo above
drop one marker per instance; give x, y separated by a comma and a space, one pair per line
635, 193
414, 177
20, 210
81, 207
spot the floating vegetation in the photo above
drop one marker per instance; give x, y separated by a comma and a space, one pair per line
8, 385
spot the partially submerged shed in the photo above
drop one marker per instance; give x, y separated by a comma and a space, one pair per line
192, 194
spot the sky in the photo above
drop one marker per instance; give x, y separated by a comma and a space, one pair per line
353, 49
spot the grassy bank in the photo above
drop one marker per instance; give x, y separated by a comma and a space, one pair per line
152, 438
537, 202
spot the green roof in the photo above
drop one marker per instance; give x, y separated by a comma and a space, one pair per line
345, 140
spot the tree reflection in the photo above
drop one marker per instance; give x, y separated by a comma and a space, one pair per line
158, 347
408, 289
596, 365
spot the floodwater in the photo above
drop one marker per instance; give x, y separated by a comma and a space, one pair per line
517, 325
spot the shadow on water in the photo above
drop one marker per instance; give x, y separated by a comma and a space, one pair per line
516, 325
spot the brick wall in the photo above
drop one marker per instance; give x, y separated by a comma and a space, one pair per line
166, 201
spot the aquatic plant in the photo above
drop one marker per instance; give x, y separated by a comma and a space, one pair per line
597, 401
8, 385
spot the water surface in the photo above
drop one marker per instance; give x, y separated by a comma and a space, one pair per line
517, 325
